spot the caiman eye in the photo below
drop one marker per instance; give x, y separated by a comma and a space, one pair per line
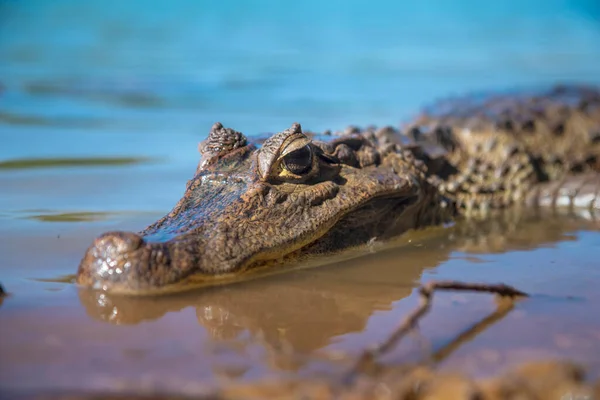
298, 161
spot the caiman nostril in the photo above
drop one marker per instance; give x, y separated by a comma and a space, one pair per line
109, 259
116, 244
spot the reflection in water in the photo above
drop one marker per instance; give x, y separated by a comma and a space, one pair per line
305, 310
521, 229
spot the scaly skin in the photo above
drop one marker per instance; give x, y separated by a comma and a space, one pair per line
297, 196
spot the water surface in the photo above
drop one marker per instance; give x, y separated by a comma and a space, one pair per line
102, 105
310, 321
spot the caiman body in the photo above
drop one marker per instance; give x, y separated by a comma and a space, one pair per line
296, 194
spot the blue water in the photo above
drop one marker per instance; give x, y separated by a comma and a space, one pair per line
147, 79
258, 66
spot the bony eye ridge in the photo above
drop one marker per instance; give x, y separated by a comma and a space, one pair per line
298, 161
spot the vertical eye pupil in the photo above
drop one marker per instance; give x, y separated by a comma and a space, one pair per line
298, 161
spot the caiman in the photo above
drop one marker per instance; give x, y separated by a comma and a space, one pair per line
257, 204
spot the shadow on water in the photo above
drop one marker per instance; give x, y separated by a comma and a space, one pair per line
307, 309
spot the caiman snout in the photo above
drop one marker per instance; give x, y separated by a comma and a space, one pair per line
116, 244
109, 259
127, 262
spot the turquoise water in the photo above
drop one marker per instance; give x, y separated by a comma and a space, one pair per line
149, 78
103, 103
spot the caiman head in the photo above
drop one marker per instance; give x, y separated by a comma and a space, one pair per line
250, 206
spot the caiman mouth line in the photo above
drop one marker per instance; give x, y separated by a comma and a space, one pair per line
251, 211
293, 259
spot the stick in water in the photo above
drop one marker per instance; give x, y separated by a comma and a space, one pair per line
426, 292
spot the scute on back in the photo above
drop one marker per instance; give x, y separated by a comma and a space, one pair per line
493, 149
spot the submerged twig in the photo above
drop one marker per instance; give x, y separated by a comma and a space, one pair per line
444, 352
426, 292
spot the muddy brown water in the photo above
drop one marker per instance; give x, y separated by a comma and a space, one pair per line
306, 322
